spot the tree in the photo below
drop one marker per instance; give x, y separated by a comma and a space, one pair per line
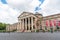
2, 26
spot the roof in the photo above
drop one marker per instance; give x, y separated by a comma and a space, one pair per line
38, 13
53, 15
25, 13
29, 13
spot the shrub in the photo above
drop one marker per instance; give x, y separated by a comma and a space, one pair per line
49, 30
14, 30
55, 30
37, 30
2, 30
43, 30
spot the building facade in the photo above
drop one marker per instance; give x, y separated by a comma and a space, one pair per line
11, 27
29, 22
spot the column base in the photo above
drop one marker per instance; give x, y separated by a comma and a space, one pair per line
27, 31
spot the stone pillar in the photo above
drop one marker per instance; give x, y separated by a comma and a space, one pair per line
32, 22
25, 23
29, 23
18, 27
21, 24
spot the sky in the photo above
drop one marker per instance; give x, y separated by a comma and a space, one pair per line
11, 9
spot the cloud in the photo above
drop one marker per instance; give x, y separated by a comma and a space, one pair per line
50, 7
22, 5
10, 11
7, 14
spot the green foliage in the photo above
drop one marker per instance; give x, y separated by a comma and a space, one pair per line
2, 26
14, 30
45, 28
37, 30
49, 30
2, 30
57, 27
55, 30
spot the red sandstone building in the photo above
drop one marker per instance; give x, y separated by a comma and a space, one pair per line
28, 22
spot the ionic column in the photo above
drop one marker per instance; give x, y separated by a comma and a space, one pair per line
18, 27
32, 22
25, 23
21, 23
29, 23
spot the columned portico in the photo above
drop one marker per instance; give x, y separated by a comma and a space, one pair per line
26, 23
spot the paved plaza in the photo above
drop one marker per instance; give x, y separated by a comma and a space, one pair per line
30, 36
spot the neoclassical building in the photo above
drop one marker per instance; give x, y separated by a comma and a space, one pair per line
29, 22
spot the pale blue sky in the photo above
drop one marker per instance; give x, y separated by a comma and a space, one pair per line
4, 1
11, 9
37, 8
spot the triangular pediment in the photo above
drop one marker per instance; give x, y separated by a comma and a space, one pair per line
25, 14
